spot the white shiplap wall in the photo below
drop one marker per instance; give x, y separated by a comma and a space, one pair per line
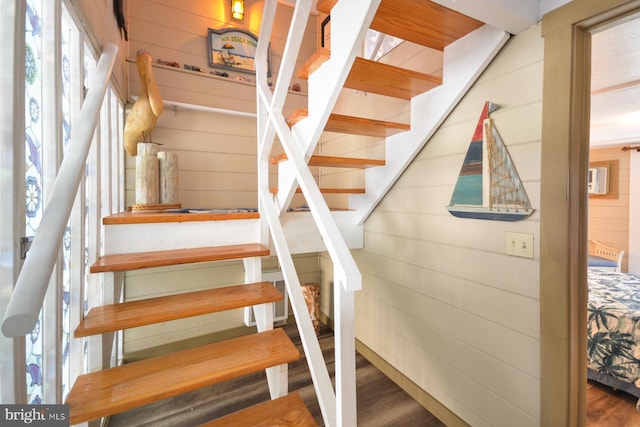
216, 152
441, 300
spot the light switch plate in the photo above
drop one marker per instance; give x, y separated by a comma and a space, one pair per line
520, 244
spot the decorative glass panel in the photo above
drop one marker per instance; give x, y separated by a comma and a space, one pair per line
33, 178
68, 32
89, 68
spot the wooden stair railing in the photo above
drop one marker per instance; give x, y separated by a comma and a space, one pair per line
102, 393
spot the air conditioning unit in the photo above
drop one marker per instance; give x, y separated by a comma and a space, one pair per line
280, 308
597, 180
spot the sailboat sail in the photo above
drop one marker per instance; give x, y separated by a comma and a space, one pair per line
488, 185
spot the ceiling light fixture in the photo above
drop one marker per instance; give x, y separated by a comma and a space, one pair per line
237, 9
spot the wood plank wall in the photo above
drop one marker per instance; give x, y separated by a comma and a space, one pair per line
216, 152
609, 214
441, 300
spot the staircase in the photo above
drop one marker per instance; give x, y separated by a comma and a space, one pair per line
468, 47
105, 392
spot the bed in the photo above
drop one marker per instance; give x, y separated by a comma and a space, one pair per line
603, 256
613, 331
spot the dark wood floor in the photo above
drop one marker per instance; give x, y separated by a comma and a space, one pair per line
380, 401
610, 408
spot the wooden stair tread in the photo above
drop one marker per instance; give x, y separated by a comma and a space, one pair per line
376, 77
286, 411
354, 125
422, 22
181, 216
336, 162
102, 393
133, 261
384, 79
312, 64
330, 190
109, 318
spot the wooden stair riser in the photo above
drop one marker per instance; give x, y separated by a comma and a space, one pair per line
299, 228
154, 236
118, 389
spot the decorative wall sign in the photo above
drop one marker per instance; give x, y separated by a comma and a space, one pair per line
488, 185
234, 49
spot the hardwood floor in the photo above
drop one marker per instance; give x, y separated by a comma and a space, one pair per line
610, 408
380, 401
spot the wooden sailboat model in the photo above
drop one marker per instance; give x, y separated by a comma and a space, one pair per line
488, 185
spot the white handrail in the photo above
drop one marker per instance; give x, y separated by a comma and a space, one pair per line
31, 286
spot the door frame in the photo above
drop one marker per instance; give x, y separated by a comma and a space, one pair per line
563, 213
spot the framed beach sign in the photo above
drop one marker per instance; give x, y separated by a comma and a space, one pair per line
234, 49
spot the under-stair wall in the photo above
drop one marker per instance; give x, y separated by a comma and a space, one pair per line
441, 301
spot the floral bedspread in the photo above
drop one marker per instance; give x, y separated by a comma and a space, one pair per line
614, 324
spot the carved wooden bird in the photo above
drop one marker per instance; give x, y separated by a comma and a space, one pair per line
143, 116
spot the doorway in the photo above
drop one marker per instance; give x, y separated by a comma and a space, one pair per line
564, 203
615, 112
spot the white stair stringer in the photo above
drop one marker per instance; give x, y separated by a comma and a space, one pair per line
349, 24
464, 61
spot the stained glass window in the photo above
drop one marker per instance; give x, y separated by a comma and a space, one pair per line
62, 101
68, 32
33, 178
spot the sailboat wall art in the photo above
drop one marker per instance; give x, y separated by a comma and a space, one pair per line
488, 185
